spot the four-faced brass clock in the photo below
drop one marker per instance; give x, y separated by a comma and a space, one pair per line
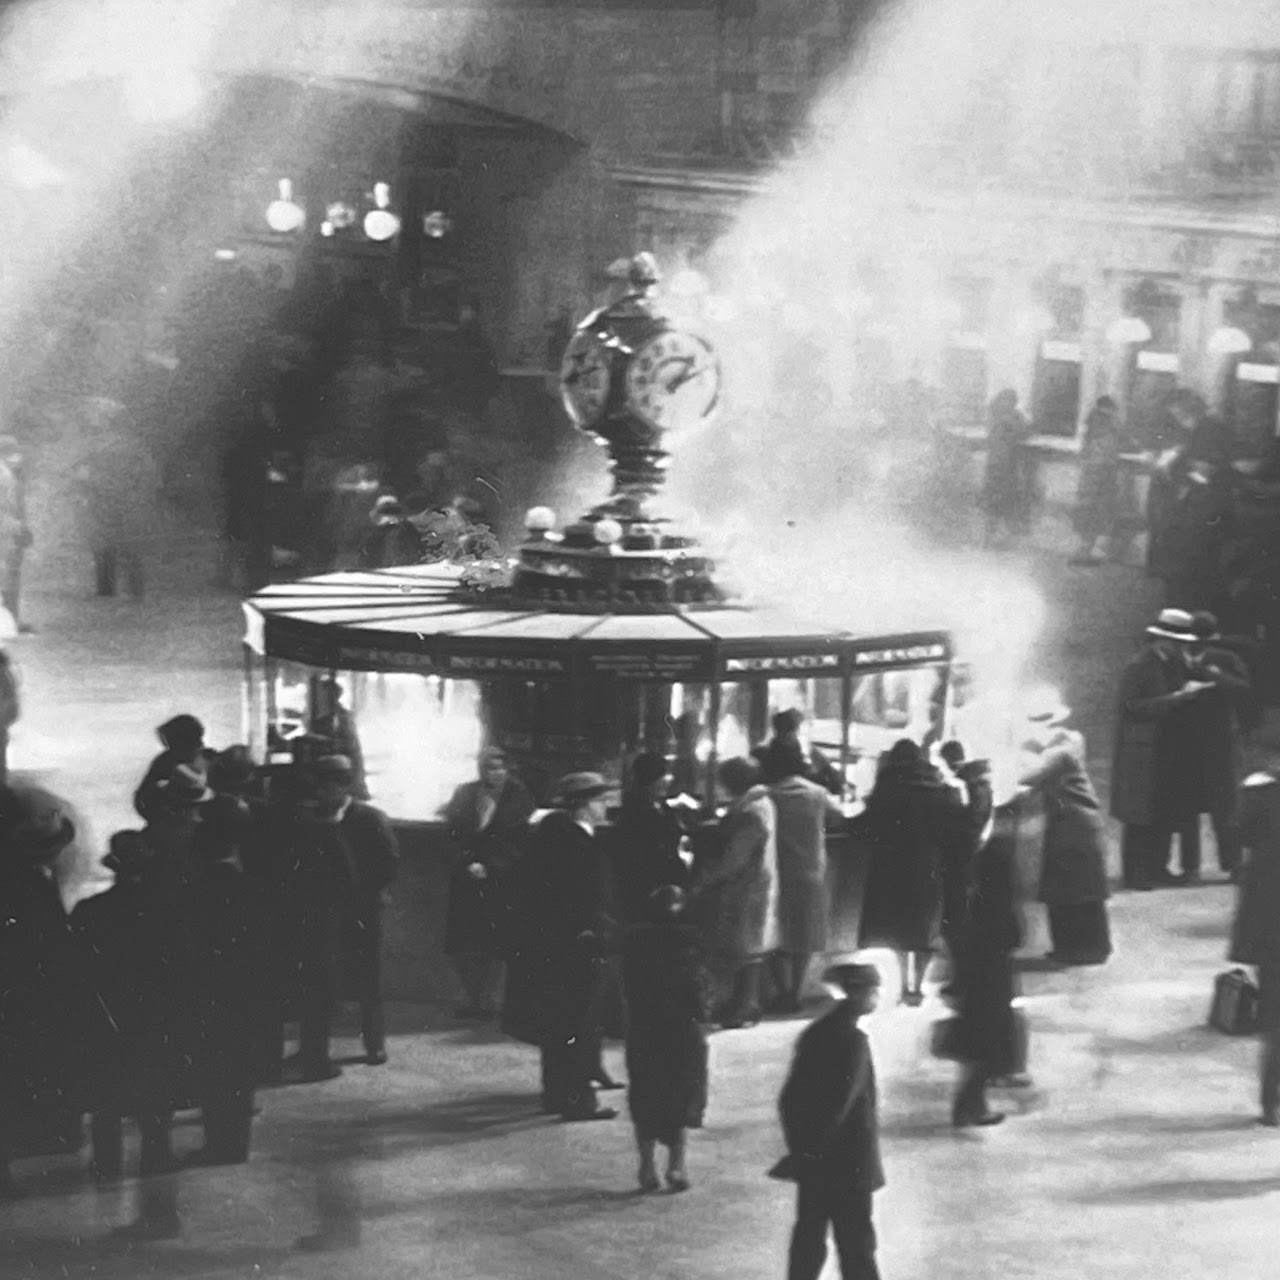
585, 378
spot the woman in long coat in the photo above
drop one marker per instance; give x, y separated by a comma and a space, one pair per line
917, 825
1073, 871
666, 1045
488, 821
737, 892
805, 810
648, 837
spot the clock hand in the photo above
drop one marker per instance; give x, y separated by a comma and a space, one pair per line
686, 375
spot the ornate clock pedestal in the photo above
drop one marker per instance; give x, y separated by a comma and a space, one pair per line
630, 377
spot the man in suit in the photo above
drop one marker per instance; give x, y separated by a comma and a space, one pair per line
371, 853
828, 1109
1155, 786
562, 938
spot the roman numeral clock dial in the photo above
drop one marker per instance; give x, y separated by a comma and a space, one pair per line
673, 381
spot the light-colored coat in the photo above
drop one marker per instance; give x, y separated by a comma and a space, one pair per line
804, 812
738, 890
1074, 865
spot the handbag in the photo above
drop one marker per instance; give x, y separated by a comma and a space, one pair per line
945, 1039
1234, 1010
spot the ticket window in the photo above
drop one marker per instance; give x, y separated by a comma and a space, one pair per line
1253, 411
1056, 402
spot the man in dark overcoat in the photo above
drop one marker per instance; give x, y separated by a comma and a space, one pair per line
316, 882
1155, 784
1255, 936
557, 973
828, 1111
139, 958
369, 849
1216, 736
43, 992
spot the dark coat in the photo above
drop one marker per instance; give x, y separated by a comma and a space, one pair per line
1255, 935
916, 826
1074, 865
1007, 480
1154, 779
44, 1012
984, 975
227, 959
736, 890
372, 853
142, 977
479, 910
666, 1045
645, 843
1214, 728
318, 883
805, 810
828, 1106
561, 930
148, 799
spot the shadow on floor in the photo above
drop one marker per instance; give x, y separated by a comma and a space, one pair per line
1178, 1040
1192, 1189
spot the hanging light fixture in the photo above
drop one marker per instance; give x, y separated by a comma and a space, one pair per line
1128, 331
1229, 340
284, 214
380, 223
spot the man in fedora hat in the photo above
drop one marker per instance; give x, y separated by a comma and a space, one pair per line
1155, 785
828, 1111
557, 972
43, 996
368, 848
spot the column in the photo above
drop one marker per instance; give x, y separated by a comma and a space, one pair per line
1104, 367
1194, 327
1012, 343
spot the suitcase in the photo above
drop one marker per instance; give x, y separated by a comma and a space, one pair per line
1234, 1010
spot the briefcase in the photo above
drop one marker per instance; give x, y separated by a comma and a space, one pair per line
1234, 1010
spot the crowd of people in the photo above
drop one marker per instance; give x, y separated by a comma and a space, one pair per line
241, 901
252, 896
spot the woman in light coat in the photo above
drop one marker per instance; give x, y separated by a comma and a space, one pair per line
1073, 872
737, 892
805, 810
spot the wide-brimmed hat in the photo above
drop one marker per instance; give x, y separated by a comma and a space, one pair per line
35, 824
186, 785
1173, 624
1045, 708
182, 730
581, 786
850, 973
647, 768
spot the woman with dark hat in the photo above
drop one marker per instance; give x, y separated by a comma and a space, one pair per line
666, 1045
648, 836
560, 939
488, 822
918, 826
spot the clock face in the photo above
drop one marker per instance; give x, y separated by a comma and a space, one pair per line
673, 381
584, 378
